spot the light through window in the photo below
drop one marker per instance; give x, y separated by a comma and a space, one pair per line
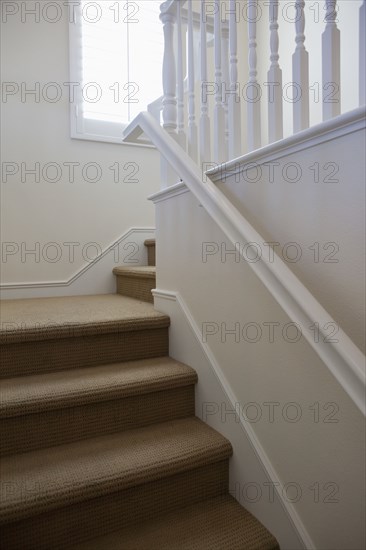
119, 62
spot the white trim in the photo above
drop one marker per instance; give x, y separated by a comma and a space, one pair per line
173, 191
102, 138
263, 458
344, 359
347, 123
82, 270
85, 129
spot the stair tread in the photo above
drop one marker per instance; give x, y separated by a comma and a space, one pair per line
146, 271
69, 316
61, 389
46, 479
212, 524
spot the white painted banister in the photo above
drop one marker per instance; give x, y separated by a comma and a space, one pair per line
192, 127
362, 54
180, 80
234, 114
205, 129
300, 72
275, 108
331, 58
219, 116
253, 89
343, 359
217, 26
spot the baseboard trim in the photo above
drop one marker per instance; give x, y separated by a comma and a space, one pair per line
263, 458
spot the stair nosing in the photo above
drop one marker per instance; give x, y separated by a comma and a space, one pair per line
149, 272
94, 487
218, 506
41, 329
83, 396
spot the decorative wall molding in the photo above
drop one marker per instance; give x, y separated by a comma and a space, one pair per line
170, 192
148, 232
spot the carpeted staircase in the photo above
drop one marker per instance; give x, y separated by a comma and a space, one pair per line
100, 446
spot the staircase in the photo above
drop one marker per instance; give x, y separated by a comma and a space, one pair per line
99, 443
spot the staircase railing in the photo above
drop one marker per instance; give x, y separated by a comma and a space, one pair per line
343, 358
209, 121
184, 143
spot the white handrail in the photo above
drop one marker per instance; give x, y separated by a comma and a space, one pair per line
344, 360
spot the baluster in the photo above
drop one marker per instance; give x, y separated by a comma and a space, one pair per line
331, 47
225, 82
205, 130
180, 78
362, 58
219, 118
253, 89
192, 128
234, 98
169, 79
300, 72
168, 176
275, 107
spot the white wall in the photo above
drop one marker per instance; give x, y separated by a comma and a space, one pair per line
306, 451
185, 345
312, 196
61, 212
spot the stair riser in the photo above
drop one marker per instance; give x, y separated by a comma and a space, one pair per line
36, 431
63, 527
136, 287
85, 351
151, 259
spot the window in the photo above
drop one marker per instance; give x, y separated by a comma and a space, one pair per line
116, 53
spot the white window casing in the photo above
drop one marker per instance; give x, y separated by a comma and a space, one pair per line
116, 52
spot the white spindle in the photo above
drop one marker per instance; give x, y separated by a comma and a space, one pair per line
192, 128
300, 72
275, 108
331, 48
169, 103
219, 119
362, 58
169, 79
225, 82
180, 80
253, 89
234, 98
205, 130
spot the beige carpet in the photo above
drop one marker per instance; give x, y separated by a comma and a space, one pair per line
100, 446
215, 524
136, 282
48, 318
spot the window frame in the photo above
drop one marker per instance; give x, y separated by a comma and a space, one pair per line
87, 129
